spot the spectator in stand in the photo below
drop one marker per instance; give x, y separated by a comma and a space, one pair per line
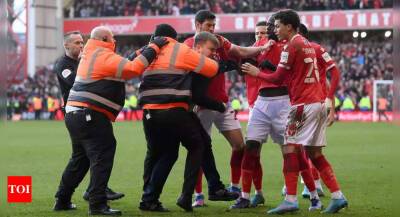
104, 8
37, 106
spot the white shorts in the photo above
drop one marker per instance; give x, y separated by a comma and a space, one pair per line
223, 121
268, 118
306, 125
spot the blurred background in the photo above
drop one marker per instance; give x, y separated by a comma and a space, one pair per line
357, 33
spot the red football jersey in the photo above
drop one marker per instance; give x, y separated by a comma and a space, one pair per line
216, 89
324, 62
273, 56
298, 57
253, 83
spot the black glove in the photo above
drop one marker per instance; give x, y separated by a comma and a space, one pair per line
221, 107
268, 65
247, 60
160, 41
135, 54
227, 65
250, 60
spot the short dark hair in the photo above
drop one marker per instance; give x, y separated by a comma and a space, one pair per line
203, 15
288, 16
262, 23
203, 37
165, 30
271, 20
303, 30
68, 35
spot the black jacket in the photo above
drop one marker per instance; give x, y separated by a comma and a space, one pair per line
65, 68
199, 94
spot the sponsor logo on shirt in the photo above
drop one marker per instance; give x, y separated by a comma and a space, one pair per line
284, 57
326, 57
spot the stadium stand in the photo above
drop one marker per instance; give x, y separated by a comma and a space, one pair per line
107, 8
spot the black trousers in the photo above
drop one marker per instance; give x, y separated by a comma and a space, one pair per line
93, 146
165, 130
37, 114
208, 163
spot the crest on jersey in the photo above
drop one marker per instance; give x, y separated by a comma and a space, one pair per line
326, 57
66, 72
284, 57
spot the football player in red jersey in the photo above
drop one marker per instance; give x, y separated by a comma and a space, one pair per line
226, 122
252, 83
307, 117
325, 65
267, 119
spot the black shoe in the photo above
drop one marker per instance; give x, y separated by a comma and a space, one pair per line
62, 205
104, 210
222, 195
185, 203
152, 206
110, 194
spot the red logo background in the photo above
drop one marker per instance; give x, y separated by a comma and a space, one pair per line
19, 189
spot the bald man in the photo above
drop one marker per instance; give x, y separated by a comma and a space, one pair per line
95, 100
65, 68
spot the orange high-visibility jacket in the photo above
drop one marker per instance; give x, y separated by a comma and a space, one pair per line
166, 82
37, 103
101, 76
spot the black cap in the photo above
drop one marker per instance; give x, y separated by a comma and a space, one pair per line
165, 30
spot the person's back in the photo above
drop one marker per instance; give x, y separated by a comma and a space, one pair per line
365, 103
382, 104
37, 103
102, 73
168, 76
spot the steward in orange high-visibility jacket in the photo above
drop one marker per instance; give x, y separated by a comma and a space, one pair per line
96, 98
166, 82
100, 81
165, 94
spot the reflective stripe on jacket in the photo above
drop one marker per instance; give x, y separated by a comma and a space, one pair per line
101, 75
166, 82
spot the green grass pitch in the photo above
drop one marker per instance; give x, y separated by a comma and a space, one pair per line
361, 155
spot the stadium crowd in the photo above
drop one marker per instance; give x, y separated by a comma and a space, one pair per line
359, 62
107, 8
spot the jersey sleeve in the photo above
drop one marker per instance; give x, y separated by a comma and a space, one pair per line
326, 59
287, 57
224, 43
199, 63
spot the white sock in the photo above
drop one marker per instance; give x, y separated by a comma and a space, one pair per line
198, 194
314, 195
259, 192
318, 183
245, 195
235, 185
291, 198
337, 195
